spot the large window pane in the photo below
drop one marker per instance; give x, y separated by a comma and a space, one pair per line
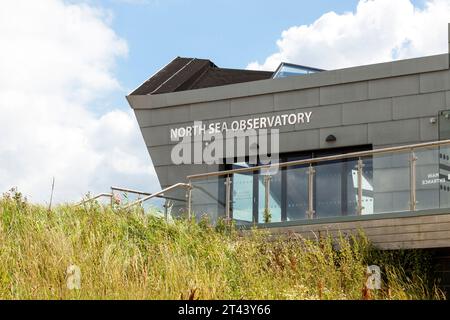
296, 192
335, 191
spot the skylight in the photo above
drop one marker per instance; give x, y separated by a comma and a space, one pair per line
288, 70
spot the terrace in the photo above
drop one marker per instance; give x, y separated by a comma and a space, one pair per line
400, 196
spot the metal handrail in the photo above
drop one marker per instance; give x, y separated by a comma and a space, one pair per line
93, 198
177, 185
130, 190
322, 159
144, 193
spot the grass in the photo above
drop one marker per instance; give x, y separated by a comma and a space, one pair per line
131, 255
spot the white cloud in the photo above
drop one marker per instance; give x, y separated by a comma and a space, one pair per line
57, 60
378, 31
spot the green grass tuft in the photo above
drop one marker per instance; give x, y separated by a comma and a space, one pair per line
131, 255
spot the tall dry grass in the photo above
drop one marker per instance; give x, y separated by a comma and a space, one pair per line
131, 255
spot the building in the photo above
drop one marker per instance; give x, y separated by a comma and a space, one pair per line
400, 196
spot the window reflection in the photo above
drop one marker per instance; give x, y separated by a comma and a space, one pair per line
242, 195
335, 189
288, 70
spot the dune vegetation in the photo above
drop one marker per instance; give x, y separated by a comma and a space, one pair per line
134, 255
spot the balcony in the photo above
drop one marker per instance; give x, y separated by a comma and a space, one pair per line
399, 196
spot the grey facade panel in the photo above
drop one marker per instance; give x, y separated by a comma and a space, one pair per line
295, 99
156, 136
447, 99
143, 117
161, 155
428, 104
295, 141
367, 111
210, 110
162, 173
361, 73
420, 65
392, 87
179, 173
345, 136
252, 105
394, 132
322, 117
428, 130
343, 93
164, 116
435, 81
140, 102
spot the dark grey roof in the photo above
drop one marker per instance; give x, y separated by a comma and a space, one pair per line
191, 73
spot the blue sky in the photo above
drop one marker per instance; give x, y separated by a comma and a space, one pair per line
231, 33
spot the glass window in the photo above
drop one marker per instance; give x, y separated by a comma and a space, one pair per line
289, 70
334, 182
296, 192
335, 190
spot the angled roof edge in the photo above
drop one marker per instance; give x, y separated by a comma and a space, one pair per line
172, 75
192, 73
376, 71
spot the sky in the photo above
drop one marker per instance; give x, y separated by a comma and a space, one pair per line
66, 67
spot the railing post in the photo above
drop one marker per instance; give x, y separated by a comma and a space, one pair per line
412, 181
189, 199
227, 197
267, 179
111, 201
359, 167
165, 210
310, 213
